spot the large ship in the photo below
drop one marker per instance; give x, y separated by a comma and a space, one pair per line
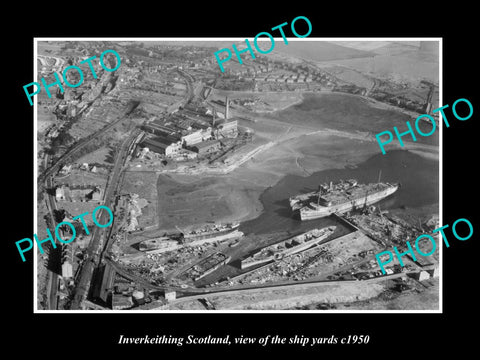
340, 198
288, 247
206, 266
199, 236
159, 244
209, 232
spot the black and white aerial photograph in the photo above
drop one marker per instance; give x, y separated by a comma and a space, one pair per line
259, 188
215, 179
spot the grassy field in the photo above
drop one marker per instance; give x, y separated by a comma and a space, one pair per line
143, 184
385, 65
100, 156
44, 119
319, 50
425, 299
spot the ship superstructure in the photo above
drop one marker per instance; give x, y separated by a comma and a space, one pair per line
288, 247
206, 266
210, 231
205, 234
339, 198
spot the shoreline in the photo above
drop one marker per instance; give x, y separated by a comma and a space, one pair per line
232, 192
371, 101
237, 195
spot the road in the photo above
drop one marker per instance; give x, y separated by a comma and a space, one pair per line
290, 286
189, 80
245, 290
52, 289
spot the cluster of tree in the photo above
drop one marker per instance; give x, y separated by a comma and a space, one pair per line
90, 147
63, 139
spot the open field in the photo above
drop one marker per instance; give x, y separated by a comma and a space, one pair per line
384, 66
319, 50
143, 184
403, 59
44, 119
100, 156
426, 299
80, 177
78, 207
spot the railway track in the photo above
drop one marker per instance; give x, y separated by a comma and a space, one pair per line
82, 143
100, 236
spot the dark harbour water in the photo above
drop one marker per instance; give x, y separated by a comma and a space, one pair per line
418, 176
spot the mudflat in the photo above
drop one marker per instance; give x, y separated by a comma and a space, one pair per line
307, 140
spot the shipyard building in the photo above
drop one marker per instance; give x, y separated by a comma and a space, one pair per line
193, 127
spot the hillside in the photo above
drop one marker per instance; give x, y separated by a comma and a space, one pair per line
319, 50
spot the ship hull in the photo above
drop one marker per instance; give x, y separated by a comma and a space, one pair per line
251, 261
307, 213
210, 235
296, 201
206, 266
212, 269
175, 245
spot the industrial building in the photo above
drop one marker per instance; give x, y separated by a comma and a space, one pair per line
192, 129
78, 193
421, 276
62, 192
434, 272
95, 195
206, 147
227, 128
161, 145
161, 130
105, 287
170, 295
67, 270
196, 137
67, 259
187, 130
66, 169
120, 302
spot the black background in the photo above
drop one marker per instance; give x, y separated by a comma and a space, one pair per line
97, 334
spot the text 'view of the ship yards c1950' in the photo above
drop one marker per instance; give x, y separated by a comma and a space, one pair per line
260, 187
